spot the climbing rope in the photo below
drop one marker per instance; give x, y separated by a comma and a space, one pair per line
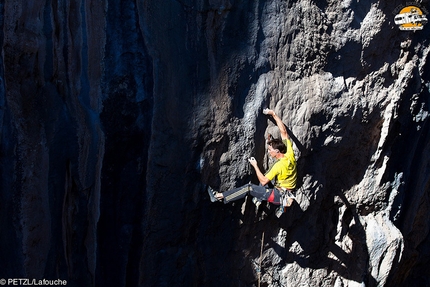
261, 259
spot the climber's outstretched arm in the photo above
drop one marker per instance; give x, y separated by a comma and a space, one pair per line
279, 123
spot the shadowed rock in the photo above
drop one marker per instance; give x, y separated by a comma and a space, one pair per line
115, 115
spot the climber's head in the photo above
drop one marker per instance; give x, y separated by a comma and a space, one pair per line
276, 146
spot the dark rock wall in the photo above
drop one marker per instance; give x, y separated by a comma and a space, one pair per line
53, 143
115, 114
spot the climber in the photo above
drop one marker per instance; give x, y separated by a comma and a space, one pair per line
283, 174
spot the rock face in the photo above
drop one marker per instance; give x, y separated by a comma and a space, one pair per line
114, 116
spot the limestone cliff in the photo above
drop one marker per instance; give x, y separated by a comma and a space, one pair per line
114, 115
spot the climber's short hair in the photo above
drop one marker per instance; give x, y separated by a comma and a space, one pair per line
278, 144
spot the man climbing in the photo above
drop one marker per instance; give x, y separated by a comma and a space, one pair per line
283, 174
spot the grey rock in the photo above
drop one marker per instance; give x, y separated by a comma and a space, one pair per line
115, 115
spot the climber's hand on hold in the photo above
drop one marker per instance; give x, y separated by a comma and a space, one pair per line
252, 161
268, 112
261, 178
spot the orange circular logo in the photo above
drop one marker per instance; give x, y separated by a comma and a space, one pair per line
410, 18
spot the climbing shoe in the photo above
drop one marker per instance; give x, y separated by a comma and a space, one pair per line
212, 193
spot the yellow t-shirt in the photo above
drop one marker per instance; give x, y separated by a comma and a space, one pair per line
284, 171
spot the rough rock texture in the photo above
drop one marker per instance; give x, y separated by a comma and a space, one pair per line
114, 116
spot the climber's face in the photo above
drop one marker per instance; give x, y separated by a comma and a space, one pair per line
272, 152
